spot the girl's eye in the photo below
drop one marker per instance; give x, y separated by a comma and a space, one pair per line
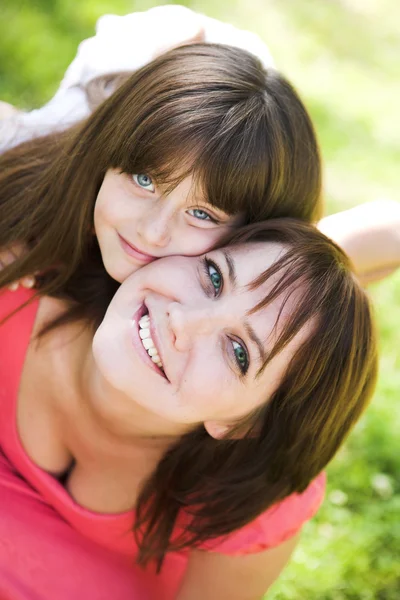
241, 356
144, 181
215, 276
202, 215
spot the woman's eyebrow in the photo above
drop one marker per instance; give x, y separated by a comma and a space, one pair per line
231, 267
254, 338
249, 329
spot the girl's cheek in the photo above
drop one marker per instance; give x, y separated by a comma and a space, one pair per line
206, 239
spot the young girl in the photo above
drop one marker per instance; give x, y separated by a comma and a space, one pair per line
370, 233
201, 140
211, 396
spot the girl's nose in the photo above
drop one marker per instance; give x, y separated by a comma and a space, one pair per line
187, 324
155, 226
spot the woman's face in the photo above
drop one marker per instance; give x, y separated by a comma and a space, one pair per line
136, 222
177, 338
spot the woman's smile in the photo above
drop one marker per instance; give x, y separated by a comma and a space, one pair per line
147, 341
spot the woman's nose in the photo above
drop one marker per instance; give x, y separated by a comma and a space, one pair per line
155, 226
188, 324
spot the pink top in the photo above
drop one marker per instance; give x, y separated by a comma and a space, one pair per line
52, 548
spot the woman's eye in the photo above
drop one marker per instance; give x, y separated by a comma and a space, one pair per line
144, 181
241, 356
215, 277
202, 215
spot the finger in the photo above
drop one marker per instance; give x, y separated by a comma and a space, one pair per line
28, 282
13, 286
197, 37
7, 258
7, 110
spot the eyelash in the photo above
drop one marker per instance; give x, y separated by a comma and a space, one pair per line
207, 263
210, 219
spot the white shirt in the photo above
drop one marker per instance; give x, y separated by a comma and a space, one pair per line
123, 43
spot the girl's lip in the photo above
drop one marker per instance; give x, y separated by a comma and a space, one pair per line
137, 342
135, 252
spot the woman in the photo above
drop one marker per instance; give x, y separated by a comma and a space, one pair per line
214, 391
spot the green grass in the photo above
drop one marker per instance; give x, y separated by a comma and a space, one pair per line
343, 56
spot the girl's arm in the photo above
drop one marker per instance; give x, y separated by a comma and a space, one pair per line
220, 577
370, 235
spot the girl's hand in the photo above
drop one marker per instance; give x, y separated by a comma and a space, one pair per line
7, 110
7, 257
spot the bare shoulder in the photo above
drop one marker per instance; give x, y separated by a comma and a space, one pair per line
38, 419
221, 577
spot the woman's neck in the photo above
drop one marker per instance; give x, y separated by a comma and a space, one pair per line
112, 443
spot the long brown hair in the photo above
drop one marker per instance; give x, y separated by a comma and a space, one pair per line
207, 109
221, 485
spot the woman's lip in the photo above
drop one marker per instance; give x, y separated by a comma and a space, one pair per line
134, 252
137, 342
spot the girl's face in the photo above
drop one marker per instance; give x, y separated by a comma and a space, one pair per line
136, 223
178, 341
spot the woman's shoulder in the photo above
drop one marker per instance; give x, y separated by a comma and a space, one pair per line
277, 524
11, 301
17, 316
17, 313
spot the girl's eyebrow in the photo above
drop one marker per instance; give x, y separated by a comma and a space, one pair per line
233, 281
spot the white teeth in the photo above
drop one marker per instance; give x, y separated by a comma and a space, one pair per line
144, 321
157, 361
148, 343
144, 333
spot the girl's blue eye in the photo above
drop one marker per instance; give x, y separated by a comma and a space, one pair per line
202, 215
241, 356
144, 181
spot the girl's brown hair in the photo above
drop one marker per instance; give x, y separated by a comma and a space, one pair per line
221, 485
208, 109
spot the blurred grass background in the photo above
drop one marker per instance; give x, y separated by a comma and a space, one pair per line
343, 56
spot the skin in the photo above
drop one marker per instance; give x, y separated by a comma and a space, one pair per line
219, 577
156, 224
370, 235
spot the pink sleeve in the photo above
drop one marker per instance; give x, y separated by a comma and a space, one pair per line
276, 525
